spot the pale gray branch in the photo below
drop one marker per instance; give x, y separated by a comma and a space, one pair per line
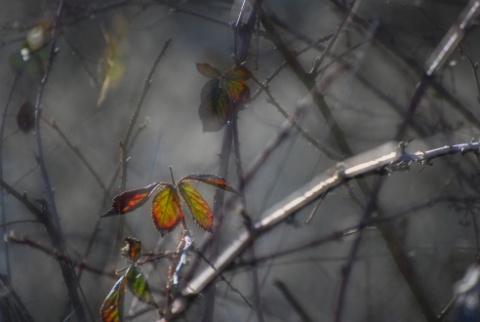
386, 157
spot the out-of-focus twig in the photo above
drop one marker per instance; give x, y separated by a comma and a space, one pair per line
2, 196
293, 301
50, 209
124, 145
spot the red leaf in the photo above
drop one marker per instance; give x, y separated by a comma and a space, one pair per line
210, 179
214, 106
130, 200
201, 212
208, 71
133, 249
26, 117
112, 307
166, 209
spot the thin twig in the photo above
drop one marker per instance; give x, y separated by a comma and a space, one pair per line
124, 145
78, 153
58, 256
293, 301
297, 126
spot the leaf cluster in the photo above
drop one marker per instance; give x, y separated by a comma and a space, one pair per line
221, 93
112, 307
166, 207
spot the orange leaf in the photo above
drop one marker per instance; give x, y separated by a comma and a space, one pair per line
237, 73
166, 209
112, 306
210, 179
208, 71
238, 91
214, 106
201, 212
130, 200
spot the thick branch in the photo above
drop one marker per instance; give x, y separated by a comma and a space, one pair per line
386, 157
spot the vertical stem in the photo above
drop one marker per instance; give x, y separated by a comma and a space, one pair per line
2, 195
52, 222
243, 32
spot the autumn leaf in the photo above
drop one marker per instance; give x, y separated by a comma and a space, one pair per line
113, 65
214, 106
130, 200
166, 209
208, 71
219, 94
237, 73
138, 285
210, 179
238, 91
112, 307
201, 212
132, 249
26, 117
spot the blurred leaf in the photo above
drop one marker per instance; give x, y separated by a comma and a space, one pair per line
132, 249
202, 214
238, 91
112, 66
112, 307
210, 179
16, 62
237, 73
130, 200
37, 36
208, 71
26, 117
138, 285
166, 209
214, 106
35, 65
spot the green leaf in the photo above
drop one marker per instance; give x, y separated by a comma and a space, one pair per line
201, 212
112, 307
133, 249
214, 106
166, 209
138, 285
208, 71
130, 200
210, 179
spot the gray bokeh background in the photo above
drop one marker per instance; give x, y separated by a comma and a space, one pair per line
439, 240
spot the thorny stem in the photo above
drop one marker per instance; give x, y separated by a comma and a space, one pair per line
240, 176
243, 31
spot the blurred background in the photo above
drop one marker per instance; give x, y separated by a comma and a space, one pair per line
105, 52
